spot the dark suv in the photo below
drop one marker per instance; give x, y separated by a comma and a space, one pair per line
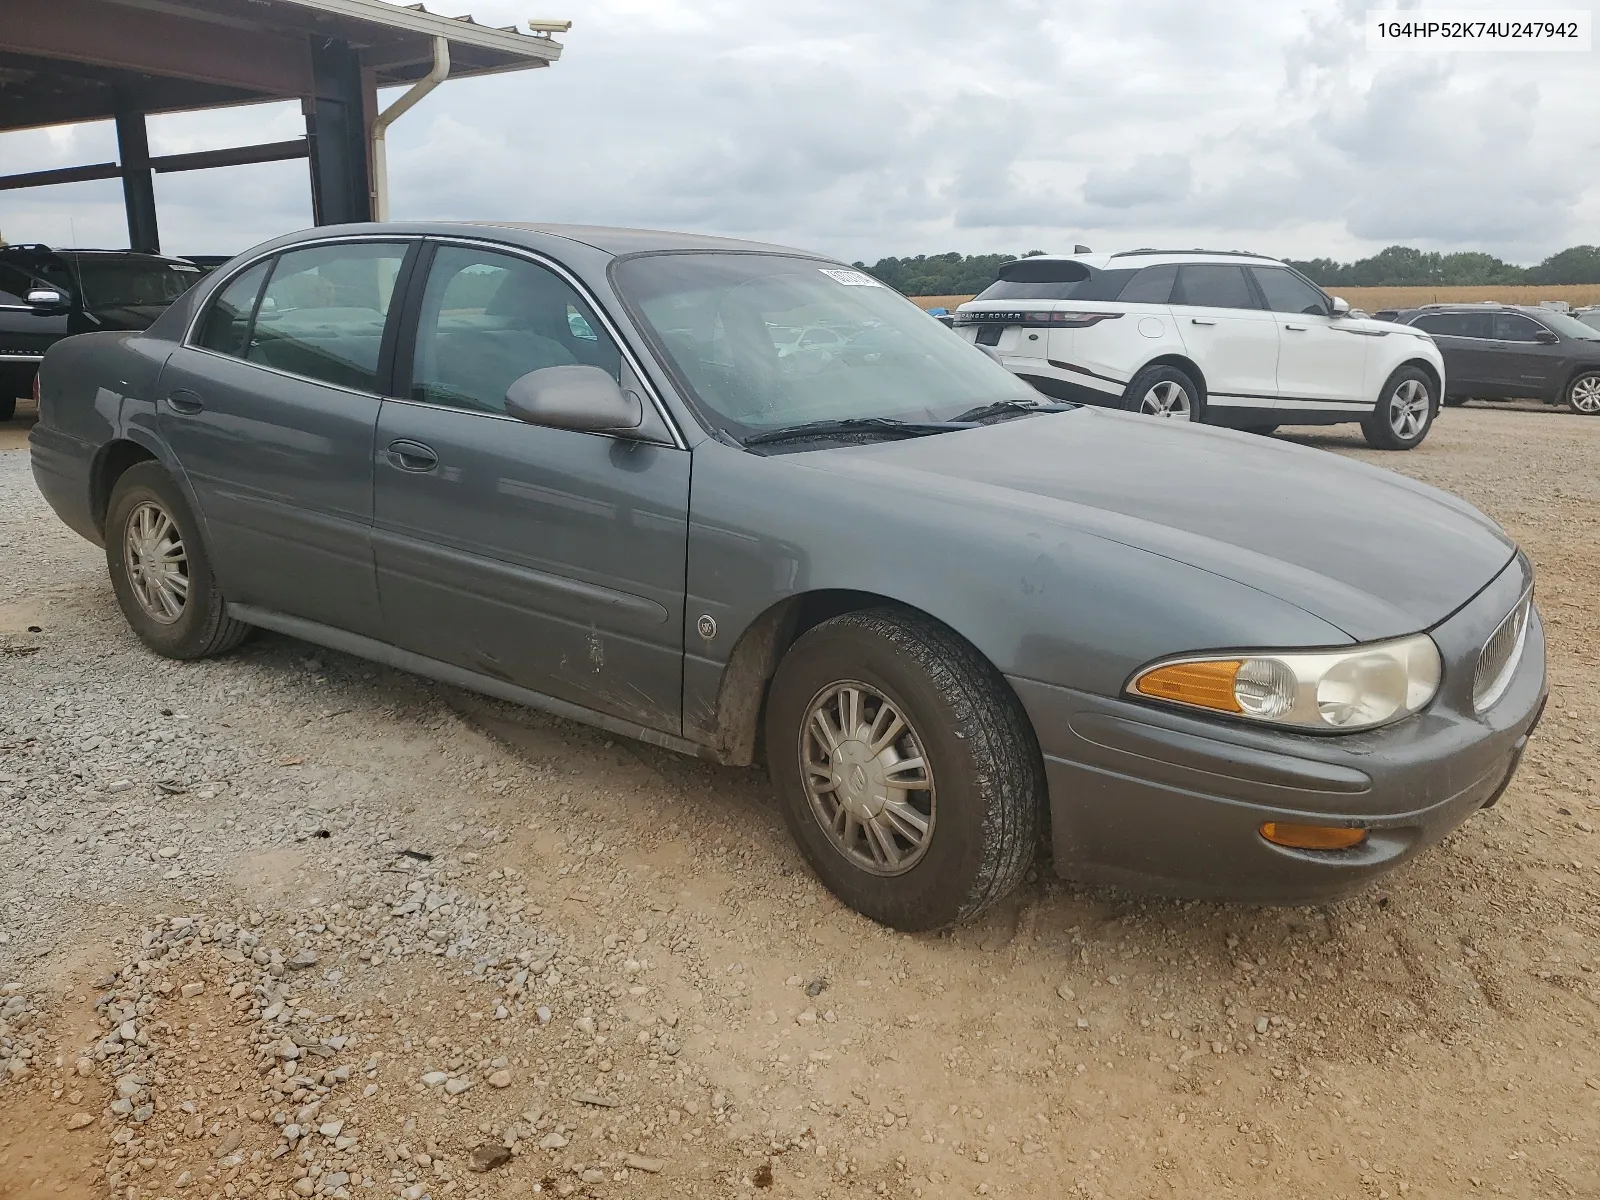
46, 295
1504, 351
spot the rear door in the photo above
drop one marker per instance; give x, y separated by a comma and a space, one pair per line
1228, 334
271, 412
1463, 339
1320, 365
549, 559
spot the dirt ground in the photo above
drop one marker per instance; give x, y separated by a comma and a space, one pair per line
288, 924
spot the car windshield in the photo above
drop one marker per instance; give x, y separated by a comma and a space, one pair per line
1569, 326
767, 342
114, 281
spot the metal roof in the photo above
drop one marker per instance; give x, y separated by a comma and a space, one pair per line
64, 61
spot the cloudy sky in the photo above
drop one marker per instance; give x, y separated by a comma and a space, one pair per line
918, 126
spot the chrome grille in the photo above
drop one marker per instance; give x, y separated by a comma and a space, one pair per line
1497, 661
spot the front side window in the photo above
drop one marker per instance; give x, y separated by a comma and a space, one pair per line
323, 312
227, 325
1286, 292
488, 319
1213, 285
721, 321
1513, 327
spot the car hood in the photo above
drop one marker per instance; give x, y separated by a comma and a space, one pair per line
1368, 551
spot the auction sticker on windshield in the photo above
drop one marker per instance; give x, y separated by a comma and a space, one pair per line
850, 278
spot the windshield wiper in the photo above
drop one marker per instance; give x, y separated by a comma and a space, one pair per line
1001, 407
885, 425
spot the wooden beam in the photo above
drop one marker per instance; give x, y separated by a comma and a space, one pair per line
232, 156
29, 179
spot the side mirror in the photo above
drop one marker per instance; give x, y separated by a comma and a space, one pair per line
1545, 338
578, 398
46, 300
1341, 306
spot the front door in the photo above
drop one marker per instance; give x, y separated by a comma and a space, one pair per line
1524, 365
271, 414
1322, 364
549, 559
1225, 330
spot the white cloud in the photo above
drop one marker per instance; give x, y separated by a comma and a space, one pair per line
909, 126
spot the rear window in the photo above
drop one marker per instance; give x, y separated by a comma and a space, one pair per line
1100, 285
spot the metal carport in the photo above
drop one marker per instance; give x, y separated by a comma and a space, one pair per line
69, 61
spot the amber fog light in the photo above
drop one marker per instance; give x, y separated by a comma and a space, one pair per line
1312, 837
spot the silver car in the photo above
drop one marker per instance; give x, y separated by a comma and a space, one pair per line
570, 467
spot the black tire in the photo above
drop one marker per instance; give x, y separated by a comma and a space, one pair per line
1263, 430
987, 774
1455, 401
1137, 397
1380, 426
1583, 393
201, 627
8, 406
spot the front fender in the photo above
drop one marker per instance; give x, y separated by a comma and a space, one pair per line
1039, 598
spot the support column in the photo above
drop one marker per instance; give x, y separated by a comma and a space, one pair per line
336, 124
138, 182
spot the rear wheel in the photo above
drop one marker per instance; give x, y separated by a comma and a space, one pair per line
1263, 430
906, 769
1583, 394
1404, 412
1455, 401
160, 571
1163, 392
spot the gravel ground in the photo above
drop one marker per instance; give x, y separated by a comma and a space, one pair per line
288, 924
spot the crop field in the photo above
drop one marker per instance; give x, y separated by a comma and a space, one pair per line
1373, 298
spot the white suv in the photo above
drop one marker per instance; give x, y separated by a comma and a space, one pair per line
1221, 337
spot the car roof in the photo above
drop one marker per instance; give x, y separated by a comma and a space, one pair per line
620, 240
1157, 258
36, 253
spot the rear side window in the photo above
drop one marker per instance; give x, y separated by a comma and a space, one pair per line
1286, 292
1445, 324
1153, 285
227, 324
1213, 285
323, 312
1100, 285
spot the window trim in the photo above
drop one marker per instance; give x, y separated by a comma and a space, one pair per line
406, 339
413, 246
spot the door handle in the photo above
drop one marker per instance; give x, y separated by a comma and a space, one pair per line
1299, 328
412, 456
1201, 321
184, 401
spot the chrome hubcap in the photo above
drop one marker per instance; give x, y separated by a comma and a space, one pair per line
1408, 409
1586, 394
867, 778
157, 564
1166, 399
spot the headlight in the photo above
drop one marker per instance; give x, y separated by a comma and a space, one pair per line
1358, 688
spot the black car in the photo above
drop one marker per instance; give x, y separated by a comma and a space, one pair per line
48, 294
1505, 352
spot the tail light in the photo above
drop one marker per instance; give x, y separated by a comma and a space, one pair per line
1072, 319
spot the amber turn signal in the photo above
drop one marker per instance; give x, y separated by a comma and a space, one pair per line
1206, 684
1312, 837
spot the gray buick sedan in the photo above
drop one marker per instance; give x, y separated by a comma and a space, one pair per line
595, 471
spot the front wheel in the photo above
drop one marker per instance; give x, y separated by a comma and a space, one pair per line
1583, 394
1404, 413
905, 767
1163, 392
160, 571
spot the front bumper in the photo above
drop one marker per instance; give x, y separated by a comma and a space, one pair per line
1160, 800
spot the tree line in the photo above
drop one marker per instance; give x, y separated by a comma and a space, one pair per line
1395, 266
